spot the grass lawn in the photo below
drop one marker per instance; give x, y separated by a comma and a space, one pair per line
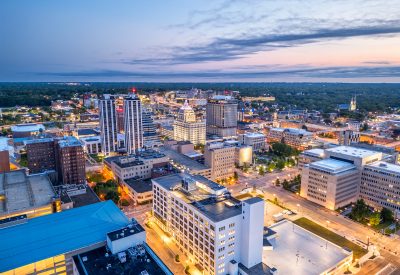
321, 231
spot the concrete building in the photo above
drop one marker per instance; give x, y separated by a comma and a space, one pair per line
346, 137
309, 156
256, 140
335, 180
70, 161
130, 167
221, 120
380, 186
167, 131
58, 243
41, 155
185, 163
133, 123
297, 138
220, 234
188, 128
221, 158
141, 191
91, 145
27, 130
330, 183
31, 195
108, 123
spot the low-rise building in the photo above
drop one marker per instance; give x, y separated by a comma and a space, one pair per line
297, 138
255, 140
91, 145
27, 130
139, 190
30, 195
218, 233
309, 156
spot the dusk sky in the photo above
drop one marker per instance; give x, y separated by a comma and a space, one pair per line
198, 40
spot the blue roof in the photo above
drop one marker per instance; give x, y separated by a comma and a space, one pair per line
55, 234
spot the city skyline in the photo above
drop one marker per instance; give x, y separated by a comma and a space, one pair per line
218, 41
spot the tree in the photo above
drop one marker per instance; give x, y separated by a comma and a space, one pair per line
271, 166
277, 182
387, 215
375, 219
360, 210
112, 195
235, 175
261, 171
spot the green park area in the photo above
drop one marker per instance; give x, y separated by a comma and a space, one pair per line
327, 234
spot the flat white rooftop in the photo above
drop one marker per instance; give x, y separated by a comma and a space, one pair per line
315, 152
298, 251
254, 135
353, 151
332, 165
381, 165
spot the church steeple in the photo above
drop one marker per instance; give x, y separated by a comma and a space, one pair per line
353, 103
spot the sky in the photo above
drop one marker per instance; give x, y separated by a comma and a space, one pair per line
200, 40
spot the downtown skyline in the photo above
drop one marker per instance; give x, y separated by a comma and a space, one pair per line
199, 41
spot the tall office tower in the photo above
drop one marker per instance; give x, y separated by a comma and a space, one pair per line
222, 116
133, 123
187, 128
108, 124
221, 158
70, 161
150, 137
217, 232
41, 155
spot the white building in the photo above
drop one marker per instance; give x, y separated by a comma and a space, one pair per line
133, 123
108, 124
255, 140
309, 156
220, 234
244, 155
188, 128
91, 145
297, 138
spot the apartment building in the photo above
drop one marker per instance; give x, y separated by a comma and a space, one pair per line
220, 234
380, 185
70, 159
40, 154
221, 158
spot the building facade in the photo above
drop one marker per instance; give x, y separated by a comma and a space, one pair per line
217, 232
188, 128
71, 161
256, 140
221, 158
108, 124
221, 112
133, 123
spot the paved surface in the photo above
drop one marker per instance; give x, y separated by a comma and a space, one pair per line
388, 247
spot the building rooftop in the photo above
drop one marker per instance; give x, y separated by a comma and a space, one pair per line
128, 161
384, 166
28, 127
301, 252
182, 159
87, 132
139, 186
95, 262
24, 192
332, 165
69, 141
38, 140
132, 229
352, 151
50, 235
254, 135
210, 198
314, 152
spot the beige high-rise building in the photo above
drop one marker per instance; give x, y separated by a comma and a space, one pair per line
221, 158
222, 116
380, 185
188, 128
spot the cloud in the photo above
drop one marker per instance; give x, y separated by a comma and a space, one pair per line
222, 49
303, 72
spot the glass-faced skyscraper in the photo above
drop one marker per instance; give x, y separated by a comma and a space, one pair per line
108, 124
